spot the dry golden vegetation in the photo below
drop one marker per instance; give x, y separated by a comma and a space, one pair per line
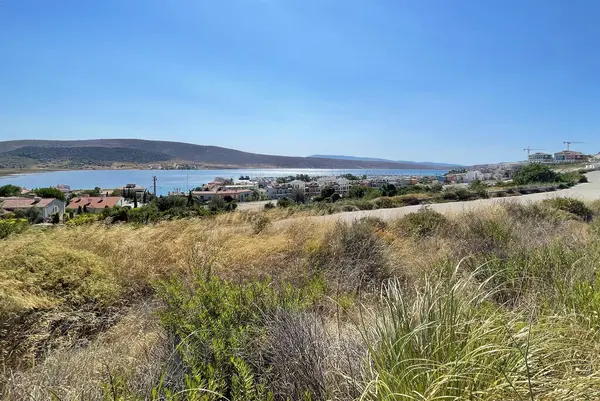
488, 305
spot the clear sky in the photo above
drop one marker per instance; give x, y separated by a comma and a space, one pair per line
438, 80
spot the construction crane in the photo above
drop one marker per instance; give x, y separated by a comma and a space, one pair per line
528, 149
568, 143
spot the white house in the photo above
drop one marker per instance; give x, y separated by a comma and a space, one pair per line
473, 175
47, 207
341, 185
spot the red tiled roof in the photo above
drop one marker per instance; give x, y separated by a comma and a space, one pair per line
94, 202
24, 203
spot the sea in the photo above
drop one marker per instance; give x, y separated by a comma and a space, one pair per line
178, 180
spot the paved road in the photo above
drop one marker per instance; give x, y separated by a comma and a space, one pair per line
588, 191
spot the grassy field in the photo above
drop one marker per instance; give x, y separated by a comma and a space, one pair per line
501, 304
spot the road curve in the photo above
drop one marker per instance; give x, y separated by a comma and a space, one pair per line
589, 191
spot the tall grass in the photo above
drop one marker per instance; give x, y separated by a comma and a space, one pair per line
252, 308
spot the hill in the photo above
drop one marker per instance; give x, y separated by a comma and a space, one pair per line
147, 151
374, 159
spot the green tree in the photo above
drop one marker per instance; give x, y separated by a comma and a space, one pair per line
33, 215
79, 209
135, 203
145, 197
49, 193
10, 190
85, 208
535, 173
388, 190
327, 192
358, 191
190, 199
55, 218
298, 196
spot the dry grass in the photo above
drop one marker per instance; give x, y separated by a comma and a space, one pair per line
64, 291
134, 349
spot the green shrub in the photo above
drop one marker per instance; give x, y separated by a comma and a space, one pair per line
12, 226
423, 223
82, 219
384, 203
284, 202
222, 327
573, 206
535, 173
269, 205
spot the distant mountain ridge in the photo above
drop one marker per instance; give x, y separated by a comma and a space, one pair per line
374, 159
148, 151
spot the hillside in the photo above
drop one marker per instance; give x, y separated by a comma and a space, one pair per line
375, 159
200, 155
95, 155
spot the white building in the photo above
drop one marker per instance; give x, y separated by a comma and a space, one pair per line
473, 175
341, 185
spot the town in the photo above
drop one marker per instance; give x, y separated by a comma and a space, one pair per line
50, 205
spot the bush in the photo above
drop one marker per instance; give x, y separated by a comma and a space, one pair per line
535, 173
573, 206
423, 223
260, 223
222, 327
165, 203
284, 202
353, 257
33, 215
384, 203
583, 179
12, 226
269, 205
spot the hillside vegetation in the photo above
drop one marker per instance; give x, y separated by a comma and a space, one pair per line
202, 155
500, 304
94, 155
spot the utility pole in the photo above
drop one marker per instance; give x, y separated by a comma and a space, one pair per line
154, 181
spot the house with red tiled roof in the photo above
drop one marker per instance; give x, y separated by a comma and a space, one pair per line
48, 206
94, 204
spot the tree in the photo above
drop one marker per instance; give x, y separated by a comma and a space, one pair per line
350, 177
79, 209
49, 193
335, 198
135, 204
33, 215
388, 190
190, 199
10, 190
298, 196
85, 208
145, 197
535, 173
55, 218
327, 192
228, 198
357, 191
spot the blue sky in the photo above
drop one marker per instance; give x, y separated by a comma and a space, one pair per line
437, 80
